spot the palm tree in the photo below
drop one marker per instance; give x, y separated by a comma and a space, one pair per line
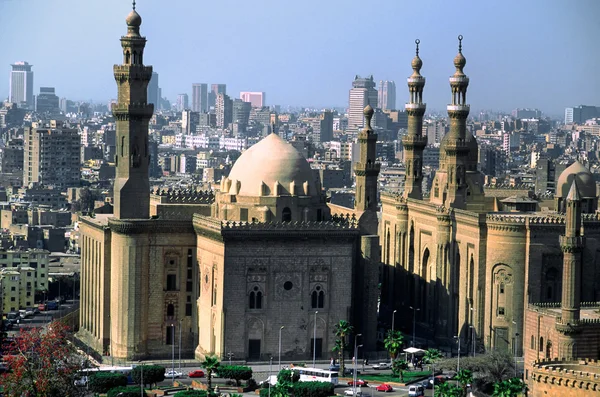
210, 364
464, 377
447, 390
509, 388
338, 349
342, 330
431, 356
398, 368
393, 342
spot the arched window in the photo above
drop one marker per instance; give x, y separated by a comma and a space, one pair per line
170, 311
313, 300
255, 298
286, 215
321, 302
127, 57
532, 342
317, 298
541, 343
252, 300
259, 300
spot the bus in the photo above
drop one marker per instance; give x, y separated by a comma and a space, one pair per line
317, 375
84, 374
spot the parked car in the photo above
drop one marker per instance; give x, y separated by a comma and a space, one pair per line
385, 388
359, 382
350, 392
416, 391
381, 366
334, 367
41, 307
29, 312
196, 374
172, 374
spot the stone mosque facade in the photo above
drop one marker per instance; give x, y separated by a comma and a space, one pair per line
229, 270
470, 264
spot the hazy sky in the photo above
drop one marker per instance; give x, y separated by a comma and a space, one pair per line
519, 53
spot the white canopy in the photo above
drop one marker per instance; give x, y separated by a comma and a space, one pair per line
412, 350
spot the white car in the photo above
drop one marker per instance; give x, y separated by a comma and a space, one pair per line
382, 366
172, 374
350, 392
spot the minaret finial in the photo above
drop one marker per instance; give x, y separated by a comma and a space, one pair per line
460, 37
134, 4
417, 41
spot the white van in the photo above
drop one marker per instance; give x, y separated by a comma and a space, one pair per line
416, 391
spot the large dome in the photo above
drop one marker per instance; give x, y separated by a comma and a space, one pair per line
585, 181
269, 161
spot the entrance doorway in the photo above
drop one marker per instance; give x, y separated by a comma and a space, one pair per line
254, 349
319, 347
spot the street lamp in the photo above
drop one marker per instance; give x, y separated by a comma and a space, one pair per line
458, 361
315, 340
414, 323
516, 347
173, 353
142, 379
180, 321
473, 337
280, 329
393, 318
270, 371
355, 360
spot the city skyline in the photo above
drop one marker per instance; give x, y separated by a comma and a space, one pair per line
522, 68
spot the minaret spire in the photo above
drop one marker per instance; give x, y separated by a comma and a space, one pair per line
366, 169
414, 142
132, 114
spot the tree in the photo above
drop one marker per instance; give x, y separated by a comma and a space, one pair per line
337, 348
393, 342
102, 382
509, 388
447, 390
287, 377
210, 364
432, 356
152, 374
41, 362
235, 372
398, 368
342, 330
464, 377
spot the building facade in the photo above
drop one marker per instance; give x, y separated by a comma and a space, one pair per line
47, 101
257, 99
387, 95
22, 273
21, 85
200, 97
362, 93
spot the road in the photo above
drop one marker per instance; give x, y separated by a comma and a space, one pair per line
45, 317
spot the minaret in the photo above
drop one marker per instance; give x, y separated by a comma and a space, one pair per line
132, 114
456, 147
366, 169
414, 142
572, 244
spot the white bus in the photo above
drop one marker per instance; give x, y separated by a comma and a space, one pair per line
317, 375
84, 374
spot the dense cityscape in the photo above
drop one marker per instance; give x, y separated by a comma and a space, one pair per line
379, 245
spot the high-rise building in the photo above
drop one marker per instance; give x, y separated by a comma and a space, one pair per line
527, 113
47, 101
182, 102
224, 110
200, 97
581, 113
20, 90
362, 93
387, 95
189, 121
52, 154
241, 112
214, 90
326, 127
154, 92
257, 99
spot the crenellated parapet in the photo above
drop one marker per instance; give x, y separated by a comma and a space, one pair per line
182, 196
556, 374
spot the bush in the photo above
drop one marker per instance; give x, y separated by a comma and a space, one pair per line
152, 374
130, 391
235, 372
251, 384
286, 377
313, 389
102, 382
191, 393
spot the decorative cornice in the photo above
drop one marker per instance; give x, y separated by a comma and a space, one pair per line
149, 226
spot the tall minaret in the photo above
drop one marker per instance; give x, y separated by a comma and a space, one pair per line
572, 244
414, 142
456, 148
366, 169
132, 114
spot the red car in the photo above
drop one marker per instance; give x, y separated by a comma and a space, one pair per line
359, 382
384, 387
196, 374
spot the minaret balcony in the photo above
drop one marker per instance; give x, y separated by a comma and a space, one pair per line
458, 108
415, 106
416, 79
572, 243
459, 80
410, 141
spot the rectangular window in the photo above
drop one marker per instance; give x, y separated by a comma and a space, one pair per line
188, 286
188, 309
189, 273
12, 298
501, 311
171, 282
244, 214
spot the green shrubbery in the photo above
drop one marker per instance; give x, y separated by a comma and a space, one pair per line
235, 372
191, 393
130, 391
152, 374
102, 382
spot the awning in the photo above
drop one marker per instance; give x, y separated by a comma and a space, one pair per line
412, 350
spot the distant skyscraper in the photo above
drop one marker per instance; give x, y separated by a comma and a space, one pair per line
214, 90
363, 93
200, 97
182, 102
47, 101
581, 113
257, 99
241, 112
21, 85
154, 92
387, 95
224, 110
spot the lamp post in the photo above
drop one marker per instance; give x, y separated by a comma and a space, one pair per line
458, 361
393, 318
270, 371
516, 350
142, 378
473, 338
173, 353
355, 359
280, 329
180, 324
315, 340
415, 310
